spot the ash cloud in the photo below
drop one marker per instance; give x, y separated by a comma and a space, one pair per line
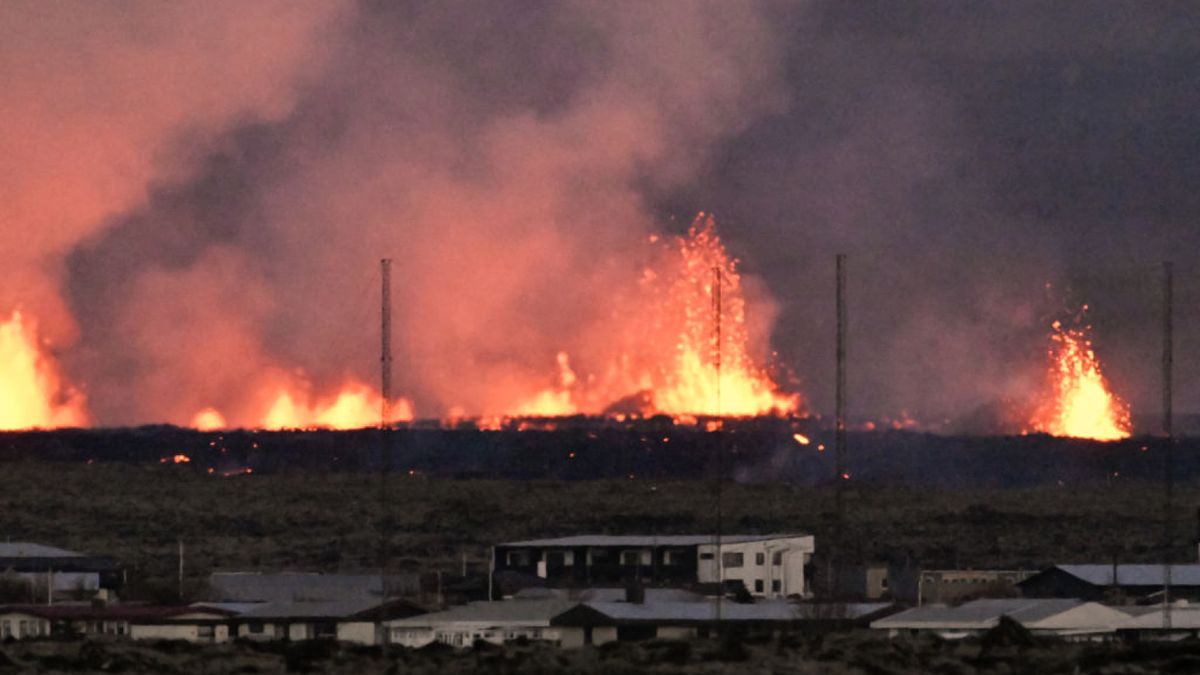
237, 172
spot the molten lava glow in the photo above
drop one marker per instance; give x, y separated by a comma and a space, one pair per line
801, 439
1080, 404
32, 392
209, 419
677, 359
175, 459
357, 406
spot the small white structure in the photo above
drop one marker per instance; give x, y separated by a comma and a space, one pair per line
1067, 618
769, 566
22, 624
198, 624
494, 622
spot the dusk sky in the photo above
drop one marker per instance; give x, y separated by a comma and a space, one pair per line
195, 196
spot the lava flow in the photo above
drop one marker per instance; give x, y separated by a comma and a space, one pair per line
1080, 403
32, 391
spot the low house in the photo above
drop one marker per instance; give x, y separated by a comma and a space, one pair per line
605, 621
877, 582
768, 566
197, 623
64, 572
345, 620
955, 586
1067, 618
1098, 582
114, 621
23, 623
1154, 622
494, 622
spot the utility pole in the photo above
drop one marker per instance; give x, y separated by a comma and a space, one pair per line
840, 423
718, 469
181, 568
385, 423
1168, 358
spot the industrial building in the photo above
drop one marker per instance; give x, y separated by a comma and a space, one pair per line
64, 573
1115, 582
766, 566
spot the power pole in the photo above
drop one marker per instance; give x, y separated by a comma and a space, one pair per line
385, 423
1168, 358
718, 450
840, 420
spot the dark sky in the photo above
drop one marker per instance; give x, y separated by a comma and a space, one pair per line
988, 168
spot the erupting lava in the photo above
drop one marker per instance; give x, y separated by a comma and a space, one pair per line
32, 393
357, 406
676, 358
1080, 404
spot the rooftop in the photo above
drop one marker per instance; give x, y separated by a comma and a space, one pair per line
24, 549
301, 586
647, 540
1133, 575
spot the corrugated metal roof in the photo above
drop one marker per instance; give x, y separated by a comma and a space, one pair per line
979, 613
24, 549
1187, 618
509, 611
648, 540
1133, 575
607, 594
301, 587
692, 612
309, 610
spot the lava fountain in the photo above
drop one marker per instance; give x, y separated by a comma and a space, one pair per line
1079, 403
33, 393
678, 351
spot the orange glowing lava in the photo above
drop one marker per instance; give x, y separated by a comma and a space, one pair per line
32, 391
676, 357
356, 406
175, 459
1080, 403
209, 419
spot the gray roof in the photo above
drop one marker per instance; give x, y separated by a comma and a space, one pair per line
606, 594
640, 540
301, 587
508, 611
22, 549
776, 610
1133, 575
309, 610
980, 612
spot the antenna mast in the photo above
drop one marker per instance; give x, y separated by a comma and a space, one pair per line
1168, 359
716, 301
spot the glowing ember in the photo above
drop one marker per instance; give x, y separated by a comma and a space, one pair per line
357, 406
176, 459
1079, 403
32, 393
801, 439
209, 419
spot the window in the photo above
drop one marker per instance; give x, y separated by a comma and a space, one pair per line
706, 556
518, 558
205, 631
777, 558
758, 585
255, 627
22, 628
630, 558
5, 629
775, 586
760, 558
733, 559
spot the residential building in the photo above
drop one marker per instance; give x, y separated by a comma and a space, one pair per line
769, 566
494, 622
877, 582
1060, 617
685, 620
346, 620
956, 586
114, 621
65, 572
1099, 582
